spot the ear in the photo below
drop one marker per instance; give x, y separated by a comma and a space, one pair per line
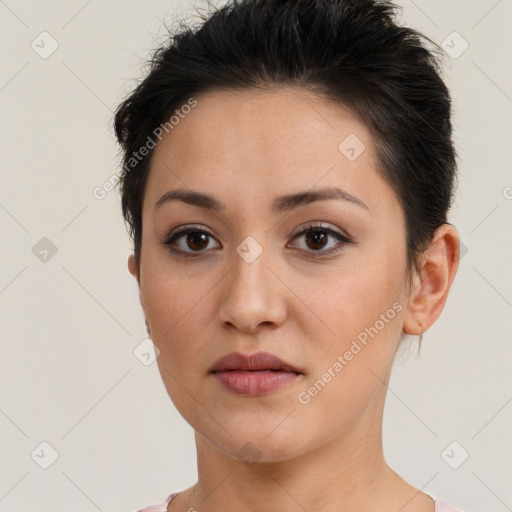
132, 267
135, 272
432, 282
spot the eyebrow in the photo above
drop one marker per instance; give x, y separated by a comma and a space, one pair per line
280, 204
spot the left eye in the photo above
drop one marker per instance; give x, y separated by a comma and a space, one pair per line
316, 239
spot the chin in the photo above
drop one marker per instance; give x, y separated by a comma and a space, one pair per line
259, 445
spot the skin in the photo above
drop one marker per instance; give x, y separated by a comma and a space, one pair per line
246, 148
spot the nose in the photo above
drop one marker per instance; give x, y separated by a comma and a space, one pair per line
253, 295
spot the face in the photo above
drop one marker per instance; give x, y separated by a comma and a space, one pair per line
328, 301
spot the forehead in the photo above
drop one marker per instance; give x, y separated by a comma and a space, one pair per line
268, 142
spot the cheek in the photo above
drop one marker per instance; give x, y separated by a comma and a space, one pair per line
178, 309
178, 313
363, 309
172, 294
353, 297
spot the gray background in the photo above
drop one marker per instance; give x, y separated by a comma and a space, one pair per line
70, 321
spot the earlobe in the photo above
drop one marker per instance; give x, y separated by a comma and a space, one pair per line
134, 271
433, 281
132, 267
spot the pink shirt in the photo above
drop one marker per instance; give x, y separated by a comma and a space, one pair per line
440, 506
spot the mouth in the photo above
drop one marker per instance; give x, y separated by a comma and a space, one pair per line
253, 374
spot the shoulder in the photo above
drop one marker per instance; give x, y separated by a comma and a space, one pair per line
441, 506
159, 507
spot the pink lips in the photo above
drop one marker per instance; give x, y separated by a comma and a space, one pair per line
254, 374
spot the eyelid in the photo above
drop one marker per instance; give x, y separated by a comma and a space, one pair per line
188, 227
320, 225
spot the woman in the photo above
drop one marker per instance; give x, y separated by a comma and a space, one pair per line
288, 171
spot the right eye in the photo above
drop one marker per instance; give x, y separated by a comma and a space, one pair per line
189, 240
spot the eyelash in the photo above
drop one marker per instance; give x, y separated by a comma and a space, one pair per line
309, 228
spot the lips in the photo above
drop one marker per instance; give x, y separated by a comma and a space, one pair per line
252, 362
253, 375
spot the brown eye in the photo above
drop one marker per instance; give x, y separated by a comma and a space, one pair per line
316, 239
196, 240
188, 240
320, 241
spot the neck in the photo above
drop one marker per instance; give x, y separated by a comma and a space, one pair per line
348, 470
312, 481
